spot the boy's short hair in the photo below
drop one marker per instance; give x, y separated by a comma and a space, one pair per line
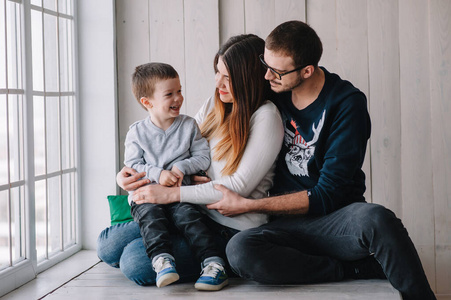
298, 40
147, 75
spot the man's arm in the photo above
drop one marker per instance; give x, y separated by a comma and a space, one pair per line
233, 204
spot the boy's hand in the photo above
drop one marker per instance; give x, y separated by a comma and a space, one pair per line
180, 175
168, 178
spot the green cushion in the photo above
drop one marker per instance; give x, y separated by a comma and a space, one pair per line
119, 209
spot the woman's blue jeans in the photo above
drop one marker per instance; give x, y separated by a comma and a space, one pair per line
306, 249
121, 246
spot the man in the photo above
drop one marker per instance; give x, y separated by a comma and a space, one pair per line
323, 229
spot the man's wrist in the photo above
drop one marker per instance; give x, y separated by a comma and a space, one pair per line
252, 205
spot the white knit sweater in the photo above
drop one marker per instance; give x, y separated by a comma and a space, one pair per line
253, 178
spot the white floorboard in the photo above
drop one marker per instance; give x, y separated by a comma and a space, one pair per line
104, 282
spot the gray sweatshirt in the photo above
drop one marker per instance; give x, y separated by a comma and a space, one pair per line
150, 149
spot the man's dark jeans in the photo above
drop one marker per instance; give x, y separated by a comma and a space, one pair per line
306, 249
155, 221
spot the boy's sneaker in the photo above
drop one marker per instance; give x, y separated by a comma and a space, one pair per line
212, 278
166, 273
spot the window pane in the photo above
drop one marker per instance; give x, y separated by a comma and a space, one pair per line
3, 142
18, 224
39, 135
37, 51
5, 254
52, 134
54, 194
16, 129
66, 59
50, 4
41, 219
2, 46
67, 132
37, 2
50, 53
65, 7
69, 209
13, 42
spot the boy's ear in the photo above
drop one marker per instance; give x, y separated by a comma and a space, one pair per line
145, 101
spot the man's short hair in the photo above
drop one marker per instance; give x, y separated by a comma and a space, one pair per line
298, 40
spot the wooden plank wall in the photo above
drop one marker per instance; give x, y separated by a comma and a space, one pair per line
397, 52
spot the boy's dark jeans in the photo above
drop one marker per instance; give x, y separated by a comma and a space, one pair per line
155, 222
306, 249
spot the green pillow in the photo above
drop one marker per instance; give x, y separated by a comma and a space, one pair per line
119, 209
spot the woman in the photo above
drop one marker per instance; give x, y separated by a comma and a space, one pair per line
245, 134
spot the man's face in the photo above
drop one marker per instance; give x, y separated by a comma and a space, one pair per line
281, 64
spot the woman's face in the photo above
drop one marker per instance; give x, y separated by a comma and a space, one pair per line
223, 83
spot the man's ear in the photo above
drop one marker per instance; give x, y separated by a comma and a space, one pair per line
308, 71
146, 102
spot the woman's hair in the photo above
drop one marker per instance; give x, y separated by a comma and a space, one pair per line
146, 77
298, 40
230, 122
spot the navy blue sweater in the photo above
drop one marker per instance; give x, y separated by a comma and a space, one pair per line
324, 146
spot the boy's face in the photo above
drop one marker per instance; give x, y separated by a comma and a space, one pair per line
167, 99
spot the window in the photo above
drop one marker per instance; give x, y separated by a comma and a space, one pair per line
38, 157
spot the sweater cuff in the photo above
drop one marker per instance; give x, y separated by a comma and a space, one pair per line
315, 203
181, 166
154, 175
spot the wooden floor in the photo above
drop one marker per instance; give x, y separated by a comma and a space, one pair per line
99, 281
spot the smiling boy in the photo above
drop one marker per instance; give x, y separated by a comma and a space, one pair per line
167, 146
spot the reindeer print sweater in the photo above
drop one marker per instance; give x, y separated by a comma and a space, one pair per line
324, 146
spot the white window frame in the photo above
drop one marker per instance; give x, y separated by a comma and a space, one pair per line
25, 270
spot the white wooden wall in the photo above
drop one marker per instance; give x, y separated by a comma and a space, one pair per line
398, 52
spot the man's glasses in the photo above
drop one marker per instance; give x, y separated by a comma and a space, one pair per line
277, 74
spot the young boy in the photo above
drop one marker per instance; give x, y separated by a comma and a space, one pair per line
168, 146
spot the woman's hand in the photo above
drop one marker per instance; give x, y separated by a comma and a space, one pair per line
157, 194
197, 179
129, 179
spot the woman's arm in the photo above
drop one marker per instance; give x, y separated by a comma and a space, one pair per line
263, 146
127, 177
156, 193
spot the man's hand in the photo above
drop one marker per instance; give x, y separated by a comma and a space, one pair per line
168, 178
231, 203
129, 179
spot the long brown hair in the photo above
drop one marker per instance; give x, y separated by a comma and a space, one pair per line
231, 121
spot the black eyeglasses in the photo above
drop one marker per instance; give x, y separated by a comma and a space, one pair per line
278, 75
